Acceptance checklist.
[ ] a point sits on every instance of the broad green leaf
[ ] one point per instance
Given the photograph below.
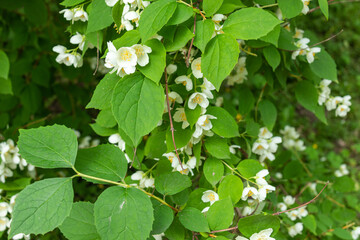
(101, 98)
(154, 17)
(5, 86)
(344, 184)
(246, 100)
(100, 16)
(176, 231)
(324, 7)
(291, 8)
(103, 161)
(132, 98)
(155, 145)
(250, 23)
(192, 115)
(4, 65)
(49, 147)
(254, 224)
(172, 183)
(163, 217)
(324, 66)
(272, 56)
(106, 119)
(224, 125)
(117, 11)
(220, 214)
(181, 38)
(181, 136)
(102, 131)
(70, 3)
(42, 206)
(123, 213)
(249, 167)
(193, 219)
(231, 186)
(157, 61)
(268, 113)
(217, 147)
(127, 40)
(204, 31)
(310, 223)
(16, 185)
(213, 170)
(273, 36)
(286, 40)
(342, 233)
(181, 14)
(211, 6)
(80, 224)
(219, 59)
(195, 199)
(229, 6)
(343, 215)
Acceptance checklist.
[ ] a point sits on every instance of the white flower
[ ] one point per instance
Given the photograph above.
(123, 60)
(210, 196)
(12, 203)
(279, 175)
(265, 133)
(260, 177)
(233, 147)
(180, 116)
(273, 142)
(240, 237)
(78, 39)
(198, 98)
(240, 73)
(346, 100)
(4, 209)
(290, 132)
(264, 190)
(4, 223)
(158, 236)
(342, 110)
(330, 104)
(355, 233)
(111, 3)
(302, 212)
(263, 235)
(217, 18)
(203, 123)
(205, 210)
(196, 68)
(174, 160)
(260, 146)
(206, 88)
(175, 97)
(342, 171)
(310, 54)
(80, 14)
(132, 16)
(219, 101)
(282, 206)
(171, 68)
(249, 192)
(21, 236)
(137, 175)
(293, 214)
(184, 80)
(298, 33)
(142, 52)
(289, 200)
(296, 229)
(116, 139)
(305, 9)
(68, 14)
(302, 46)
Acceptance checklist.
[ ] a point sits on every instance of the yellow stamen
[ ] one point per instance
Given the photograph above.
(126, 56)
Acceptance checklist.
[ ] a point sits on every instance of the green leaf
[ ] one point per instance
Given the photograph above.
(224, 125)
(219, 59)
(246, 100)
(106, 119)
(157, 61)
(16, 185)
(176, 231)
(101, 98)
(181, 38)
(268, 113)
(291, 8)
(344, 184)
(100, 16)
(220, 214)
(181, 136)
(102, 131)
(229, 6)
(123, 213)
(204, 31)
(163, 215)
(192, 115)
(249, 167)
(181, 14)
(254, 224)
(211, 6)
(42, 206)
(213, 170)
(324, 66)
(194, 220)
(324, 7)
(231, 186)
(103, 161)
(4, 65)
(310, 223)
(70, 3)
(132, 98)
(342, 233)
(80, 224)
(155, 145)
(154, 17)
(36, 12)
(127, 40)
(343, 215)
(273, 36)
(49, 147)
(250, 23)
(217, 147)
(5, 86)
(272, 56)
(117, 11)
(172, 183)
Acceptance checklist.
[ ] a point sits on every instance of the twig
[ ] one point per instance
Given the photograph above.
(243, 152)
(270, 5)
(170, 118)
(258, 101)
(331, 2)
(191, 44)
(33, 122)
(132, 163)
(224, 230)
(328, 39)
(97, 55)
(304, 204)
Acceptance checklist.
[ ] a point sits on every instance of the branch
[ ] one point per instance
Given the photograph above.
(191, 44)
(224, 230)
(304, 204)
(170, 118)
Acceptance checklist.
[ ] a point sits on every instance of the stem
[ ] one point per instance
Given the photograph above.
(304, 204)
(303, 164)
(191, 44)
(328, 39)
(258, 101)
(234, 171)
(224, 230)
(246, 51)
(170, 118)
(270, 5)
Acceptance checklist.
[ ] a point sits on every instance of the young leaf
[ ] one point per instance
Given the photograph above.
(250, 23)
(290, 9)
(49, 147)
(204, 31)
(132, 98)
(104, 161)
(106, 119)
(42, 206)
(123, 213)
(272, 56)
(117, 11)
(229, 6)
(163, 215)
(324, 7)
(324, 66)
(220, 214)
(172, 183)
(211, 6)
(155, 145)
(16, 185)
(100, 16)
(254, 224)
(224, 125)
(194, 220)
(80, 224)
(220, 57)
(127, 40)
(154, 17)
(268, 113)
(310, 223)
(181, 38)
(231, 186)
(213, 170)
(217, 147)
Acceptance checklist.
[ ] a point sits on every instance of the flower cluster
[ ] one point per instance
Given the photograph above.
(262, 235)
(239, 73)
(209, 196)
(11, 159)
(291, 140)
(120, 143)
(342, 171)
(217, 19)
(305, 9)
(263, 187)
(341, 104)
(304, 49)
(124, 60)
(145, 182)
(183, 168)
(355, 233)
(266, 145)
(75, 14)
(296, 229)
